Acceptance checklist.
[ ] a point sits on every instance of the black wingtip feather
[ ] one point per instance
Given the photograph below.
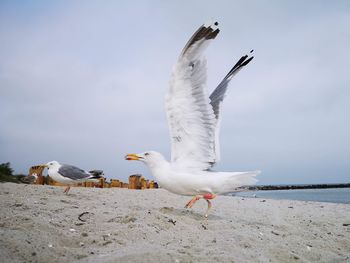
(243, 61)
(247, 61)
(202, 33)
(96, 174)
(239, 62)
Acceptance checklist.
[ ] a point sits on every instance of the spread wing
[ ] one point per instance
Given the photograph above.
(218, 95)
(190, 116)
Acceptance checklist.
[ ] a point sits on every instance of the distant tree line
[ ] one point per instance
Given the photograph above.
(7, 174)
(5, 169)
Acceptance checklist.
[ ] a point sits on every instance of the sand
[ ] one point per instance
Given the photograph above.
(41, 224)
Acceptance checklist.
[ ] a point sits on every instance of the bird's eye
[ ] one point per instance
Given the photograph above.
(146, 154)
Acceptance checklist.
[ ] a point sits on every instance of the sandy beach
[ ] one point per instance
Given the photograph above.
(41, 224)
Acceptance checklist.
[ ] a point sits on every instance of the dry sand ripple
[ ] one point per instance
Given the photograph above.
(41, 224)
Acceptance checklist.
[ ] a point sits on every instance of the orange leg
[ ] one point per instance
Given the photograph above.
(66, 190)
(192, 201)
(207, 197)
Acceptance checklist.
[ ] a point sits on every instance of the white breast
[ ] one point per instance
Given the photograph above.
(53, 173)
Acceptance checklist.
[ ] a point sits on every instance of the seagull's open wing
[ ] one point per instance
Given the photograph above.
(218, 95)
(190, 116)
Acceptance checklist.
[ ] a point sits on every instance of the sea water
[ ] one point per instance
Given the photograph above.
(333, 195)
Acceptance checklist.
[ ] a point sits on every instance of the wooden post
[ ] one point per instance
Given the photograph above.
(135, 181)
(37, 170)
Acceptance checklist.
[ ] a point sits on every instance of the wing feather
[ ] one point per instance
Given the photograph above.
(190, 116)
(73, 172)
(193, 117)
(218, 95)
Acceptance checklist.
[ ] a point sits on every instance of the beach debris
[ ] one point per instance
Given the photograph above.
(290, 207)
(204, 227)
(308, 247)
(261, 234)
(275, 233)
(81, 244)
(50, 245)
(128, 219)
(84, 234)
(82, 214)
(106, 236)
(80, 256)
(72, 230)
(33, 253)
(123, 219)
(106, 243)
(172, 221)
(346, 224)
(262, 201)
(166, 209)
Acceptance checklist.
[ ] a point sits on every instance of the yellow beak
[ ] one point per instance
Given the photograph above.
(132, 157)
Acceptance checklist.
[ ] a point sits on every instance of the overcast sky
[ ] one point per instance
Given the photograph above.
(83, 83)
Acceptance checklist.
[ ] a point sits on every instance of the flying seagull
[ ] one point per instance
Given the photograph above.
(69, 174)
(194, 122)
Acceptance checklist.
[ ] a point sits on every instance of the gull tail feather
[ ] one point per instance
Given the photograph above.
(236, 181)
(96, 175)
(94, 179)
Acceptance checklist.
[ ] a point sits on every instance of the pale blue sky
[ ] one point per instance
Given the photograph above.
(83, 82)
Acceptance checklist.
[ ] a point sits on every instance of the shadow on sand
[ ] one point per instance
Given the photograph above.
(187, 213)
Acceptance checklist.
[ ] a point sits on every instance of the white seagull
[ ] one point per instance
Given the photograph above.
(194, 122)
(69, 174)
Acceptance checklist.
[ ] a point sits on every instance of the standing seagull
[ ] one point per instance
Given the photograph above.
(69, 174)
(194, 120)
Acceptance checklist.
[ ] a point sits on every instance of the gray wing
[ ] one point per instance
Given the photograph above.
(218, 94)
(73, 172)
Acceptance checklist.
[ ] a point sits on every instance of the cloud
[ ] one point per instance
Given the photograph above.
(84, 83)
